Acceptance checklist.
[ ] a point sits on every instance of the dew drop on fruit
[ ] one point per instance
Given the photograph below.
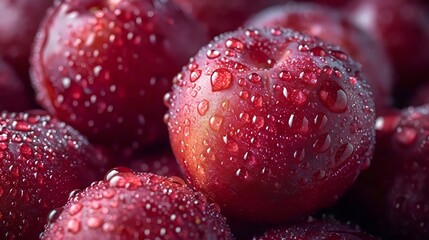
(202, 107)
(123, 177)
(255, 78)
(221, 79)
(333, 97)
(344, 152)
(340, 55)
(177, 180)
(213, 54)
(258, 121)
(285, 76)
(320, 120)
(406, 135)
(94, 222)
(216, 122)
(73, 226)
(75, 209)
(235, 44)
(244, 95)
(322, 143)
(195, 75)
(54, 214)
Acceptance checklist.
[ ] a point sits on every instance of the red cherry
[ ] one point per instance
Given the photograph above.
(270, 123)
(104, 66)
(315, 229)
(19, 24)
(332, 26)
(138, 206)
(41, 161)
(403, 29)
(223, 15)
(393, 194)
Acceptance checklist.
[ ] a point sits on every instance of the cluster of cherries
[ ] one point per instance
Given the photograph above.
(261, 133)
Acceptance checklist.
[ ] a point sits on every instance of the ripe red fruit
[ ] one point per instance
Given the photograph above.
(41, 161)
(316, 229)
(223, 15)
(138, 206)
(104, 66)
(402, 26)
(393, 193)
(332, 26)
(270, 123)
(13, 96)
(19, 24)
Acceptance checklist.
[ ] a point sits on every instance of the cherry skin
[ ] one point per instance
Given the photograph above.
(223, 15)
(332, 26)
(126, 205)
(392, 196)
(20, 21)
(402, 26)
(104, 66)
(315, 229)
(41, 161)
(271, 124)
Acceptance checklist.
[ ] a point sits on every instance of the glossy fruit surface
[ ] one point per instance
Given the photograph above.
(13, 96)
(393, 194)
(20, 21)
(127, 205)
(104, 66)
(224, 15)
(271, 124)
(402, 26)
(332, 26)
(315, 229)
(41, 161)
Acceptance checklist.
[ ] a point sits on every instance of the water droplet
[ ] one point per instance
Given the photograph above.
(318, 51)
(244, 94)
(333, 97)
(195, 75)
(221, 79)
(320, 120)
(353, 80)
(406, 135)
(344, 152)
(54, 214)
(216, 122)
(94, 222)
(322, 143)
(21, 126)
(177, 180)
(276, 31)
(26, 151)
(234, 43)
(203, 107)
(123, 177)
(255, 78)
(213, 54)
(340, 55)
(257, 101)
(258, 121)
(73, 226)
(1, 191)
(285, 76)
(75, 209)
